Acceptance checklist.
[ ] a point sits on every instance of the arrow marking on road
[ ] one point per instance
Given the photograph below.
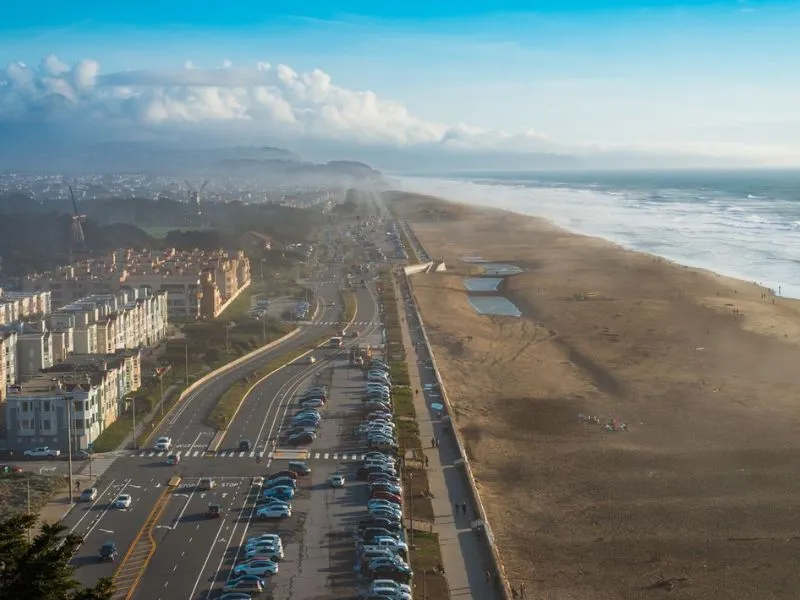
(106, 530)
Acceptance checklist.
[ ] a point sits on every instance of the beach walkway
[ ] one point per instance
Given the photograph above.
(465, 557)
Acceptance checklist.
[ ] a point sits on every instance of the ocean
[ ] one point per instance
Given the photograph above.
(744, 224)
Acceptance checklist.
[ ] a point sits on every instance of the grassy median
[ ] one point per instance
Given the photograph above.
(225, 409)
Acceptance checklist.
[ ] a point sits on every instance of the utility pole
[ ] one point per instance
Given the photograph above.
(161, 387)
(69, 400)
(411, 495)
(28, 482)
(133, 407)
(186, 358)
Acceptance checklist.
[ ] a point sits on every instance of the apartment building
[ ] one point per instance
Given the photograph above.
(178, 273)
(8, 360)
(17, 306)
(72, 401)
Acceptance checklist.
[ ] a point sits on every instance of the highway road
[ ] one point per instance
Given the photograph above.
(170, 549)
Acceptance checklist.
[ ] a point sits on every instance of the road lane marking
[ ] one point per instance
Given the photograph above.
(241, 454)
(196, 452)
(89, 510)
(161, 454)
(194, 443)
(105, 510)
(326, 456)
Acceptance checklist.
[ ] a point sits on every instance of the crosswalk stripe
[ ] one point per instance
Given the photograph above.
(334, 456)
(241, 454)
(161, 454)
(252, 454)
(326, 456)
(178, 453)
(196, 453)
(316, 454)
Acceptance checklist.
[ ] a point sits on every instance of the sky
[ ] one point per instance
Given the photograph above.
(608, 82)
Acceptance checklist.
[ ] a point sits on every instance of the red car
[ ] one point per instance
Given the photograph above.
(381, 495)
(8, 469)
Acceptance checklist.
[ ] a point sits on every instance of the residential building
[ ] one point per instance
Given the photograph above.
(8, 360)
(18, 306)
(34, 349)
(178, 273)
(96, 386)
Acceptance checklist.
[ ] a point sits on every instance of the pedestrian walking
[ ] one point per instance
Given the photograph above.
(426, 461)
(464, 508)
(455, 508)
(488, 576)
(433, 442)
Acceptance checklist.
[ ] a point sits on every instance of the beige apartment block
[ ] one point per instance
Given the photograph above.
(181, 274)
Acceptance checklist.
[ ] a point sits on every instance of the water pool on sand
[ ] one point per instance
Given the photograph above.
(482, 284)
(494, 305)
(498, 269)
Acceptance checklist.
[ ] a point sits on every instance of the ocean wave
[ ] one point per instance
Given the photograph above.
(752, 238)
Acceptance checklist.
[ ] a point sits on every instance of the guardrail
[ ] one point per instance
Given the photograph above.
(496, 559)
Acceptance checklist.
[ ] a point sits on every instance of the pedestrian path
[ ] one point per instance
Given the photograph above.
(465, 557)
(309, 455)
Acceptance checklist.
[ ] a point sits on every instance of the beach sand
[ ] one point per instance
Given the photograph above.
(701, 494)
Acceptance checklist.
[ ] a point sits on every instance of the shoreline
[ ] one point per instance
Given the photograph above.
(463, 188)
(699, 365)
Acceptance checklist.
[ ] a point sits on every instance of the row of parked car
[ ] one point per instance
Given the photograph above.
(379, 427)
(259, 558)
(382, 554)
(305, 422)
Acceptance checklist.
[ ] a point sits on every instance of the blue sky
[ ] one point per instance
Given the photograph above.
(695, 77)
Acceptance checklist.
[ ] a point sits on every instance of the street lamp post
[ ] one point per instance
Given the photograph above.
(161, 389)
(133, 410)
(69, 400)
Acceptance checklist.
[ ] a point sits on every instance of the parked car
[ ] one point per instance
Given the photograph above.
(274, 512)
(42, 452)
(281, 481)
(283, 473)
(336, 480)
(299, 467)
(301, 438)
(246, 585)
(256, 567)
(280, 492)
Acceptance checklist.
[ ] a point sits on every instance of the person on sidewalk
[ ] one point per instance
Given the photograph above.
(455, 508)
(464, 508)
(426, 461)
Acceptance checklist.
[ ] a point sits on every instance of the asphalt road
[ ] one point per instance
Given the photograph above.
(192, 555)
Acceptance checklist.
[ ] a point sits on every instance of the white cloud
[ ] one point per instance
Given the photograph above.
(271, 101)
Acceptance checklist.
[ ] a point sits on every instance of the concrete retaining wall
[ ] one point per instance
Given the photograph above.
(418, 268)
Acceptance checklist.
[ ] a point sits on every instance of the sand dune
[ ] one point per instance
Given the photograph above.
(702, 490)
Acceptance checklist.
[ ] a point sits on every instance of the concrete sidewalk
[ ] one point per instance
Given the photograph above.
(465, 557)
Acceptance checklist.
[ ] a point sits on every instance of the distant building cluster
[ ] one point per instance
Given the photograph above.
(87, 353)
(199, 283)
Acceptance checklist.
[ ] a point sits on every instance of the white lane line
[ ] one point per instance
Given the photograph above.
(205, 562)
(161, 454)
(88, 511)
(194, 443)
(185, 506)
(105, 510)
(196, 453)
(230, 540)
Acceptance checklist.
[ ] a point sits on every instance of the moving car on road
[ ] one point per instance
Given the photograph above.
(244, 445)
(206, 484)
(108, 551)
(163, 443)
(214, 511)
(123, 501)
(336, 480)
(89, 494)
(173, 459)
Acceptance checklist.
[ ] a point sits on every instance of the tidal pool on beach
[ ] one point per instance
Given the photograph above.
(482, 284)
(494, 305)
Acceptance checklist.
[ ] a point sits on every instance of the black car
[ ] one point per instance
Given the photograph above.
(244, 445)
(301, 438)
(379, 523)
(108, 551)
(296, 430)
(370, 533)
(298, 467)
(398, 573)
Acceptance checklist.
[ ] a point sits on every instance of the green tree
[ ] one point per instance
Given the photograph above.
(40, 570)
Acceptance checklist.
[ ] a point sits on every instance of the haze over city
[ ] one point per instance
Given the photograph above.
(455, 85)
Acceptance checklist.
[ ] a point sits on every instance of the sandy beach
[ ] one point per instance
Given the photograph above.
(700, 495)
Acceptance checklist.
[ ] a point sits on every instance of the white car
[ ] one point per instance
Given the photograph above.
(274, 512)
(123, 501)
(258, 481)
(336, 480)
(391, 588)
(256, 567)
(163, 443)
(267, 537)
(313, 403)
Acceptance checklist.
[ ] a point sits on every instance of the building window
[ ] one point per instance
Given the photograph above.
(78, 423)
(26, 406)
(45, 423)
(46, 406)
(77, 406)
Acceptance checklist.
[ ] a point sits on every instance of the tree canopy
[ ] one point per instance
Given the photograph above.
(40, 570)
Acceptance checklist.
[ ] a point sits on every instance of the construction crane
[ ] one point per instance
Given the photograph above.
(194, 195)
(78, 242)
